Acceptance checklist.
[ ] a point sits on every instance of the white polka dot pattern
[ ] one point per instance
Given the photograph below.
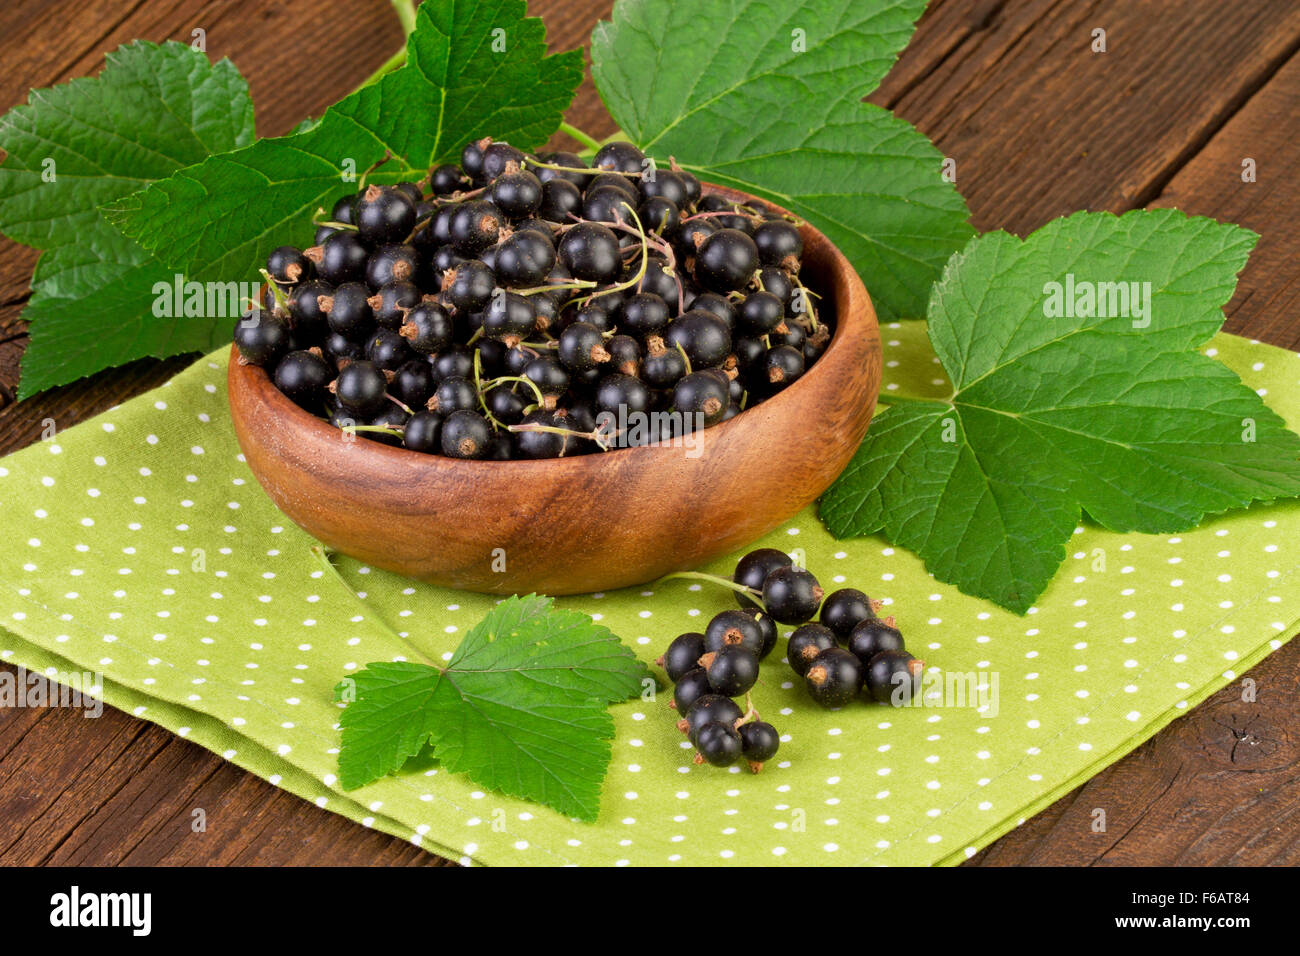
(138, 545)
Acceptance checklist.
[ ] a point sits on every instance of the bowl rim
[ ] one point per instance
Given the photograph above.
(263, 392)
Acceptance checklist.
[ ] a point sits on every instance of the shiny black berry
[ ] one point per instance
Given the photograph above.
(391, 303)
(428, 328)
(752, 570)
(682, 655)
(737, 628)
(759, 743)
(590, 252)
(708, 709)
(872, 637)
(423, 433)
(690, 687)
(391, 263)
(466, 434)
(808, 641)
(701, 394)
(524, 258)
(619, 157)
(791, 595)
(844, 610)
(782, 366)
(447, 179)
(779, 243)
(262, 337)
(304, 378)
(725, 260)
(732, 670)
(718, 744)
(348, 311)
(361, 389)
(288, 265)
(894, 677)
(474, 226)
(341, 258)
(703, 336)
(384, 215)
(834, 677)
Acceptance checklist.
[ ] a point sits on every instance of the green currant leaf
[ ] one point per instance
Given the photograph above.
(521, 707)
(1055, 412)
(474, 68)
(771, 105)
(154, 109)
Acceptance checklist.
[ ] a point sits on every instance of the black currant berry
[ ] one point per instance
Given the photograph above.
(517, 194)
(287, 265)
(759, 743)
(894, 677)
(834, 677)
(581, 347)
(465, 434)
(391, 263)
(388, 350)
(391, 303)
(645, 314)
(474, 226)
(708, 709)
(808, 641)
(779, 244)
(453, 394)
(535, 443)
(732, 670)
(782, 366)
(791, 595)
(736, 628)
(509, 317)
(412, 384)
(666, 184)
(340, 349)
(447, 179)
(844, 610)
(361, 389)
(348, 310)
(506, 405)
(776, 281)
(725, 260)
(468, 285)
(717, 304)
(560, 200)
(607, 204)
(624, 354)
(620, 157)
(428, 328)
(659, 216)
(497, 157)
(690, 687)
(620, 395)
(304, 378)
(590, 252)
(471, 159)
(702, 336)
(423, 433)
(262, 337)
(345, 210)
(701, 394)
(752, 570)
(658, 281)
(384, 215)
(760, 313)
(524, 259)
(340, 258)
(451, 361)
(682, 655)
(718, 745)
(871, 637)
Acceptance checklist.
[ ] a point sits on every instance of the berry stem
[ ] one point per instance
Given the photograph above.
(327, 564)
(713, 579)
(281, 300)
(405, 10)
(586, 139)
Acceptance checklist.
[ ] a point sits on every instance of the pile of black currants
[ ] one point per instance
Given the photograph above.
(848, 651)
(520, 306)
(707, 671)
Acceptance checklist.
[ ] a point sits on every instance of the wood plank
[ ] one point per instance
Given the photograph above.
(1039, 127)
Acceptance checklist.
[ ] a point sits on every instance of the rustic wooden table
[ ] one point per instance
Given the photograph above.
(1039, 125)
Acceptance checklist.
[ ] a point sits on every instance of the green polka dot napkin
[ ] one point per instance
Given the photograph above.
(138, 546)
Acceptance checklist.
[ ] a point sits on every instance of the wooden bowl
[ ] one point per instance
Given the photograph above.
(573, 525)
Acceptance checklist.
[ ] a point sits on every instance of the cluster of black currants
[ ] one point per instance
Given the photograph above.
(520, 306)
(710, 669)
(847, 650)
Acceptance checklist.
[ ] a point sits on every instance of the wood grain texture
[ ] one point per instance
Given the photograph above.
(447, 521)
(1188, 89)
